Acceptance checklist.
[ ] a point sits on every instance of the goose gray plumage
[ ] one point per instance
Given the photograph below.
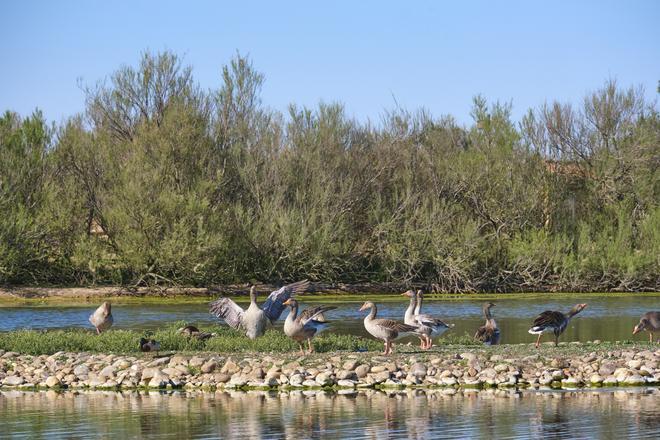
(304, 326)
(193, 332)
(385, 329)
(427, 325)
(650, 321)
(255, 319)
(488, 333)
(102, 318)
(553, 321)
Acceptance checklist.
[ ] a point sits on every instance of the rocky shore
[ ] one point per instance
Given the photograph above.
(569, 367)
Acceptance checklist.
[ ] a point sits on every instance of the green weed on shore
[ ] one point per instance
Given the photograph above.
(37, 342)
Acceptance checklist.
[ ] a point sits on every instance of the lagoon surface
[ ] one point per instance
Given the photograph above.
(413, 414)
(606, 318)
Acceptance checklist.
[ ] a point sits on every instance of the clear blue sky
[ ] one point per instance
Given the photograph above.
(361, 53)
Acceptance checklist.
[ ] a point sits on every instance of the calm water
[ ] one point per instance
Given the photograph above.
(605, 318)
(633, 413)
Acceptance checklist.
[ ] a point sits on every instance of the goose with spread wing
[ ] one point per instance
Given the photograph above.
(255, 320)
(488, 333)
(304, 326)
(553, 321)
(386, 329)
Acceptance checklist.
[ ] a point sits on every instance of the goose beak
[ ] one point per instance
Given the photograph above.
(637, 329)
(364, 307)
(287, 302)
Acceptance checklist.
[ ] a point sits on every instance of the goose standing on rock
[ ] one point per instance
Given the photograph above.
(255, 319)
(193, 332)
(555, 322)
(427, 325)
(650, 321)
(488, 333)
(102, 318)
(304, 326)
(385, 329)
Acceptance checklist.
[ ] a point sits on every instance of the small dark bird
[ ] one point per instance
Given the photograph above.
(149, 345)
(650, 321)
(555, 322)
(488, 333)
(193, 332)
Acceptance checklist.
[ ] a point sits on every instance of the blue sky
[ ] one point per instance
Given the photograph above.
(365, 54)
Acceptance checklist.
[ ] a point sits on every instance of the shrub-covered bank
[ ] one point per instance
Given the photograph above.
(567, 366)
(162, 183)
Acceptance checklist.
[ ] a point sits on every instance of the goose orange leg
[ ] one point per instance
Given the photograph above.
(538, 340)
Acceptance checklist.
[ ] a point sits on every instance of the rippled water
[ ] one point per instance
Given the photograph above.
(632, 413)
(605, 318)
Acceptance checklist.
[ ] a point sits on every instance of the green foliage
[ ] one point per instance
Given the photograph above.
(162, 183)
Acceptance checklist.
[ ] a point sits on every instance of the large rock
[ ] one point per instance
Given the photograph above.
(209, 366)
(150, 372)
(53, 382)
(81, 370)
(13, 381)
(418, 370)
(351, 364)
(362, 370)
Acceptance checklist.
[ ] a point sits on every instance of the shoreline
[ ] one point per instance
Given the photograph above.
(324, 291)
(569, 366)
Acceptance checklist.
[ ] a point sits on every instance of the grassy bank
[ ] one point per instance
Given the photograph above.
(226, 341)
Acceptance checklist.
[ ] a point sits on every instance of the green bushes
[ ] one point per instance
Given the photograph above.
(163, 183)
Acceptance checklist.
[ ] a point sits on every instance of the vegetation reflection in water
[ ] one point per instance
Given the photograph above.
(304, 414)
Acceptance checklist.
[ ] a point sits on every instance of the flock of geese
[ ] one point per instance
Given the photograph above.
(303, 326)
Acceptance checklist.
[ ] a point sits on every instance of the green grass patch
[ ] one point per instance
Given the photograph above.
(127, 341)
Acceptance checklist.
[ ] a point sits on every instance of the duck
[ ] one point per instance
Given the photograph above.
(650, 321)
(488, 333)
(102, 318)
(255, 320)
(193, 332)
(386, 329)
(304, 326)
(553, 321)
(149, 345)
(427, 325)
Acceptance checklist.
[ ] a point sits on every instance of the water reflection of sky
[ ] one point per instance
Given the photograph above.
(604, 318)
(412, 414)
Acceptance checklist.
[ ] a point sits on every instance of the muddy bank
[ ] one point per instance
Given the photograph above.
(571, 366)
(27, 292)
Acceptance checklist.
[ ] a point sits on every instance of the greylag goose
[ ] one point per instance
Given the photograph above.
(304, 326)
(255, 319)
(432, 326)
(488, 333)
(102, 319)
(555, 322)
(409, 318)
(427, 326)
(193, 332)
(385, 329)
(650, 321)
(149, 345)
